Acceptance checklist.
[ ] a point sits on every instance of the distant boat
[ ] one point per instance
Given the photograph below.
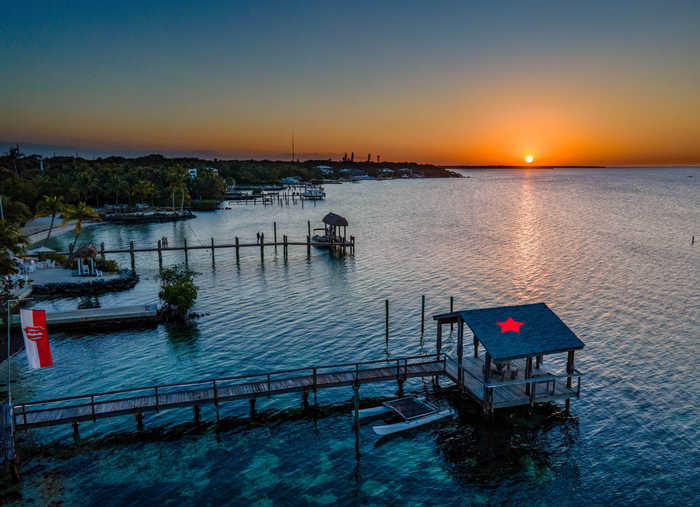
(313, 194)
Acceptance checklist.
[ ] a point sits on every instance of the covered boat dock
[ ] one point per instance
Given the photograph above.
(506, 367)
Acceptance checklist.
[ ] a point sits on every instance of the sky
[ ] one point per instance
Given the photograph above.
(610, 83)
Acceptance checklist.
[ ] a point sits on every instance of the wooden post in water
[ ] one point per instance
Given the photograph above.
(274, 234)
(452, 307)
(213, 262)
(186, 252)
(102, 250)
(356, 400)
(262, 247)
(488, 391)
(160, 256)
(308, 247)
(569, 380)
(438, 348)
(422, 314)
(528, 374)
(238, 257)
(196, 414)
(284, 248)
(460, 351)
(139, 421)
(131, 254)
(386, 319)
(308, 227)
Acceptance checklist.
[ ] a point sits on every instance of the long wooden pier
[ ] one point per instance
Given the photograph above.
(137, 401)
(341, 246)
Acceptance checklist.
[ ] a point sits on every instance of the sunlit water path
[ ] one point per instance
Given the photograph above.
(608, 250)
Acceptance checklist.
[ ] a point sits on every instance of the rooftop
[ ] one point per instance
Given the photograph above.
(510, 332)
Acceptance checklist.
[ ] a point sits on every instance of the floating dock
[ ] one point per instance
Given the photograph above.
(127, 315)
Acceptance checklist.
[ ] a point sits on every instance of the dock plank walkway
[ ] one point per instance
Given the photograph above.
(95, 406)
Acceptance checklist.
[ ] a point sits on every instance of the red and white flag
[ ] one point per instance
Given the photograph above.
(36, 339)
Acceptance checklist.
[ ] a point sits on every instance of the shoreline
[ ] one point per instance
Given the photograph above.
(35, 231)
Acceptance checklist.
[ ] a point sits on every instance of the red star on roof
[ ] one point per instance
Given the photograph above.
(510, 325)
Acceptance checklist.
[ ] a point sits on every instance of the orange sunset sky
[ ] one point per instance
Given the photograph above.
(452, 83)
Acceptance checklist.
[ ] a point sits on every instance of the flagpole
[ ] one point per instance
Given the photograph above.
(9, 363)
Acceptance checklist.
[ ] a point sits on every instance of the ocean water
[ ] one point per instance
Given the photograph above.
(608, 250)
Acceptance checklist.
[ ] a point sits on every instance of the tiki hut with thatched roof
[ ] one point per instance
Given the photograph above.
(331, 229)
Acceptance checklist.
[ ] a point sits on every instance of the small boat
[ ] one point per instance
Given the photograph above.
(313, 194)
(388, 429)
(368, 413)
(415, 412)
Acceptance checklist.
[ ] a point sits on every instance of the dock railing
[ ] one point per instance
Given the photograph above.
(214, 386)
(549, 379)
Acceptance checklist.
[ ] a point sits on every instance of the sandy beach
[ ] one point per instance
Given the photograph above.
(36, 229)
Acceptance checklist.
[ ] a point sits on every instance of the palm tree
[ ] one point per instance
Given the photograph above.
(115, 185)
(50, 205)
(144, 189)
(78, 213)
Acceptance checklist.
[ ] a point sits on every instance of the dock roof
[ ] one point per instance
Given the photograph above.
(511, 332)
(333, 219)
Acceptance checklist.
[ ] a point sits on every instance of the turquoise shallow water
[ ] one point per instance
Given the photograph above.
(608, 250)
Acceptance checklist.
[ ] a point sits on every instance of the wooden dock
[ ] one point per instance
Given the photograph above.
(545, 386)
(134, 314)
(137, 401)
(342, 247)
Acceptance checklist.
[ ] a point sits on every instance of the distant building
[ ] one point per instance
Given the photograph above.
(386, 172)
(406, 172)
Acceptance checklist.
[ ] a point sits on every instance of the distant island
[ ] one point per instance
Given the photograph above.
(525, 166)
(161, 182)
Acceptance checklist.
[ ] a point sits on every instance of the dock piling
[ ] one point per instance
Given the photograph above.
(131, 254)
(386, 322)
(274, 234)
(308, 247)
(252, 407)
(160, 255)
(216, 399)
(452, 306)
(76, 433)
(356, 402)
(284, 247)
(139, 421)
(213, 262)
(422, 314)
(102, 250)
(238, 256)
(262, 247)
(185, 240)
(196, 414)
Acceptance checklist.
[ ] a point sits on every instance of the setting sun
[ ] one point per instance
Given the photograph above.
(529, 159)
